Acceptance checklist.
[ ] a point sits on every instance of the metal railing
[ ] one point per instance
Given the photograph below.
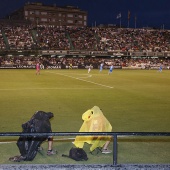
(113, 134)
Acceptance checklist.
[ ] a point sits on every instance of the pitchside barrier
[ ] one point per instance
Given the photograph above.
(113, 134)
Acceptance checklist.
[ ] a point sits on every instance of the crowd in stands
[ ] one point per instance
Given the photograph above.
(2, 43)
(84, 38)
(52, 38)
(134, 39)
(18, 37)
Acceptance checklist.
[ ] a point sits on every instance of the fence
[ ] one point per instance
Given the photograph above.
(113, 134)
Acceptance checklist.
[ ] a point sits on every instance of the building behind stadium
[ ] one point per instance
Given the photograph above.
(40, 14)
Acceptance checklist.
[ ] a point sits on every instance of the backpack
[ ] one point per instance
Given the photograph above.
(77, 154)
(28, 145)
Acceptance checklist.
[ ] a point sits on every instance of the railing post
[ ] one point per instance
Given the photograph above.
(114, 149)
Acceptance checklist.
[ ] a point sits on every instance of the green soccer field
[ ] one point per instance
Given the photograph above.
(132, 100)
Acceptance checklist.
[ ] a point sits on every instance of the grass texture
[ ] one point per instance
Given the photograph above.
(132, 100)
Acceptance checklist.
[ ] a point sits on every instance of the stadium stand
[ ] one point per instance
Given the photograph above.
(85, 38)
(105, 41)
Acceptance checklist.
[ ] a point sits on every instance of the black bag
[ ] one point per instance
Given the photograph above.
(28, 146)
(78, 154)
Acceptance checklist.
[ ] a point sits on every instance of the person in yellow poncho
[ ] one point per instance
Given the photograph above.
(94, 121)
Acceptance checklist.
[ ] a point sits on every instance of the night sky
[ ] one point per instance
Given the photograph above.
(148, 13)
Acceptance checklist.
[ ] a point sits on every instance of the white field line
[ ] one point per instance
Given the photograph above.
(85, 77)
(82, 80)
(50, 89)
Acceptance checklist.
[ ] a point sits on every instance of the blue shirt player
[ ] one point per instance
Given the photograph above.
(110, 69)
(160, 68)
(101, 67)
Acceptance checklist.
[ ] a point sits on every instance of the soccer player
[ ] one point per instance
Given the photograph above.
(110, 69)
(89, 69)
(101, 67)
(38, 68)
(160, 68)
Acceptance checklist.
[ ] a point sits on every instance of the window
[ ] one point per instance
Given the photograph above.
(43, 13)
(31, 12)
(43, 19)
(26, 13)
(69, 21)
(37, 12)
(70, 15)
(32, 19)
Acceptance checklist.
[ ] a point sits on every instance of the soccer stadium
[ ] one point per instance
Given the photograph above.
(66, 87)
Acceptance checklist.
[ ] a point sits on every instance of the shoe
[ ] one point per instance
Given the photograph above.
(105, 151)
(51, 152)
(17, 158)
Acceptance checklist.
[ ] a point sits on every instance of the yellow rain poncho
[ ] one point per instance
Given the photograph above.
(94, 121)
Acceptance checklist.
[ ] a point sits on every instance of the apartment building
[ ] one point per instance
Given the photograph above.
(51, 15)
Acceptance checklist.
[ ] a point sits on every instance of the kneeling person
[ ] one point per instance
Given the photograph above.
(94, 121)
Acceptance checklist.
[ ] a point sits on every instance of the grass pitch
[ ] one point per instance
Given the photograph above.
(132, 100)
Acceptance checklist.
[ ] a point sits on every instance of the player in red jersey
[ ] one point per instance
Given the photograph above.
(38, 68)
